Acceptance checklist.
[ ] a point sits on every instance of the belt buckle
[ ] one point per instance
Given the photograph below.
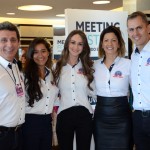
(145, 113)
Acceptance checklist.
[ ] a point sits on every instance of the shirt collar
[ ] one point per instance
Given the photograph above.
(78, 62)
(4, 62)
(145, 48)
(102, 61)
(137, 51)
(47, 72)
(115, 61)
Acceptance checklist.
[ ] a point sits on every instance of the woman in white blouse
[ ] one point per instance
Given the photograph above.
(74, 77)
(112, 118)
(40, 96)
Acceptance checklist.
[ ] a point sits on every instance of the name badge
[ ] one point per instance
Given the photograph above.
(19, 90)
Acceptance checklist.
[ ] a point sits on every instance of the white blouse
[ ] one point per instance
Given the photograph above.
(112, 83)
(50, 93)
(73, 88)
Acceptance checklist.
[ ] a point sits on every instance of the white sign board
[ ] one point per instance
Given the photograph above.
(58, 45)
(92, 22)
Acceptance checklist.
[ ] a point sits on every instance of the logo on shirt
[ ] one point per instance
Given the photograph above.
(148, 62)
(80, 71)
(118, 74)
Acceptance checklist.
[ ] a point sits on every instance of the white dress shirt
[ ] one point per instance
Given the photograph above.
(73, 88)
(114, 83)
(50, 93)
(140, 78)
(12, 107)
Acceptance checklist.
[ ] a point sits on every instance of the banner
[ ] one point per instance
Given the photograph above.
(93, 22)
(58, 45)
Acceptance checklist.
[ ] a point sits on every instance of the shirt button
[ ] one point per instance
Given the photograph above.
(47, 97)
(138, 93)
(46, 105)
(48, 89)
(74, 99)
(140, 102)
(73, 91)
(72, 75)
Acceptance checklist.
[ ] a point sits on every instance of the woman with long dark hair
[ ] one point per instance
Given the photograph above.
(74, 77)
(40, 96)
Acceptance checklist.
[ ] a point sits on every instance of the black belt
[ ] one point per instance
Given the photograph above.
(145, 113)
(3, 128)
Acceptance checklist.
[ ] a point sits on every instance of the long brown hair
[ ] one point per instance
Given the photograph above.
(87, 63)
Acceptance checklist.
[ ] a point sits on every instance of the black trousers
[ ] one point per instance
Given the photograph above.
(11, 139)
(37, 132)
(141, 129)
(76, 120)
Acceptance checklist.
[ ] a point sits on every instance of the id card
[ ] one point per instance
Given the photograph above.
(19, 90)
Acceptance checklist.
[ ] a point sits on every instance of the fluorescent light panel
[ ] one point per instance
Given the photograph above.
(60, 15)
(10, 13)
(101, 2)
(35, 7)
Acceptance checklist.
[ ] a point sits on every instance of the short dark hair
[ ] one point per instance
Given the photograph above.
(11, 27)
(138, 14)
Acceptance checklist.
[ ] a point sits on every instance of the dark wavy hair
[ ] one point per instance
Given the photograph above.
(84, 56)
(112, 29)
(32, 78)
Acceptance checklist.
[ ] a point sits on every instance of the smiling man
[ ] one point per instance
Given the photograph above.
(138, 30)
(12, 97)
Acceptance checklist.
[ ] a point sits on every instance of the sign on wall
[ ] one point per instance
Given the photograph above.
(92, 22)
(58, 45)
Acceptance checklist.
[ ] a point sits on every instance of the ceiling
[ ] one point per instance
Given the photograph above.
(10, 6)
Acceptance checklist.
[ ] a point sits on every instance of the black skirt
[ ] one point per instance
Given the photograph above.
(112, 123)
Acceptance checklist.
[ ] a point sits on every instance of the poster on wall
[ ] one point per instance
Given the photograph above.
(92, 22)
(58, 45)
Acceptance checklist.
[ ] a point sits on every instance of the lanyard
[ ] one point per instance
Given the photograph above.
(12, 78)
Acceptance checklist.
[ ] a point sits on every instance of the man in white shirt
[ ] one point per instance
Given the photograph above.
(138, 30)
(12, 97)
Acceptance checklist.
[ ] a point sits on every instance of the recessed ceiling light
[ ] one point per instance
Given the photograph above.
(60, 15)
(101, 2)
(10, 13)
(35, 7)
